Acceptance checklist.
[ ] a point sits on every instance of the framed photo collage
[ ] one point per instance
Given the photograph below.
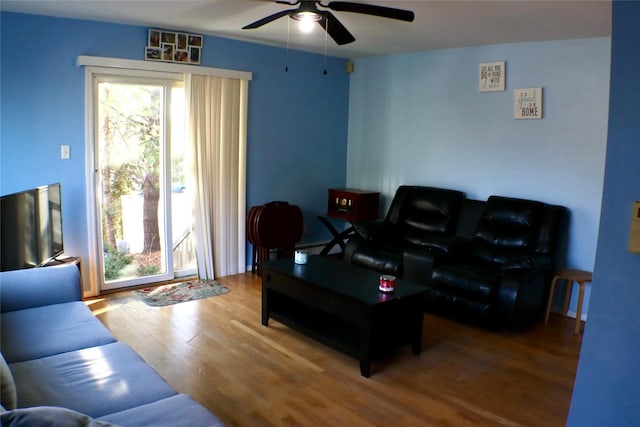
(172, 46)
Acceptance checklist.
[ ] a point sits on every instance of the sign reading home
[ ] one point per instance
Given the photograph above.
(528, 103)
(491, 76)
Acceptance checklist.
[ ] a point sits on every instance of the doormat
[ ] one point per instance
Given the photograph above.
(160, 296)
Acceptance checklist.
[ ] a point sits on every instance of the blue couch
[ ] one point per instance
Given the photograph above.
(57, 354)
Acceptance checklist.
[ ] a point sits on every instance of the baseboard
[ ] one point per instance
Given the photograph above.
(310, 248)
(573, 314)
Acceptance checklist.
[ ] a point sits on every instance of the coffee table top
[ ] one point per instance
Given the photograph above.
(343, 278)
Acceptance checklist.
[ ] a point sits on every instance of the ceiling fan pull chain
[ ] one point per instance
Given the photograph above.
(286, 59)
(325, 46)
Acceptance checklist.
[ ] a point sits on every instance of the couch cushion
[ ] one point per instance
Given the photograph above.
(422, 211)
(44, 331)
(8, 398)
(458, 306)
(49, 416)
(473, 281)
(508, 227)
(95, 381)
(172, 411)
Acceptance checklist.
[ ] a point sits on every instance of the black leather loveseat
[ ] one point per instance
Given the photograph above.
(487, 262)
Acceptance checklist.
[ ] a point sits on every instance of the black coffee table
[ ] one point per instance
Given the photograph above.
(340, 305)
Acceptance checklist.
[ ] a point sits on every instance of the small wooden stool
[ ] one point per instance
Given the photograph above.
(570, 275)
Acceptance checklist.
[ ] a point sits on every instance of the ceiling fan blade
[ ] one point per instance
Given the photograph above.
(385, 12)
(270, 18)
(335, 29)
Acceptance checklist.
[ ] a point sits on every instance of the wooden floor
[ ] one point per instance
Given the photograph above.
(217, 351)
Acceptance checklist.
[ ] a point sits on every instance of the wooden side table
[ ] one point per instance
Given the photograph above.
(347, 205)
(569, 275)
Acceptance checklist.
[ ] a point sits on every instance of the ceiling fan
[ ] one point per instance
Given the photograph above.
(308, 11)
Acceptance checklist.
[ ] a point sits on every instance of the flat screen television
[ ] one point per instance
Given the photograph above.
(31, 227)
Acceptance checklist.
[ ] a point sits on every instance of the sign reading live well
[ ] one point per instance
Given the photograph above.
(491, 77)
(528, 103)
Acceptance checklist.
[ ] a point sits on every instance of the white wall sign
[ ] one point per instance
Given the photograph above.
(527, 103)
(491, 76)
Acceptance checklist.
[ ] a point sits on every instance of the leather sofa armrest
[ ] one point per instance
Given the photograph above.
(364, 232)
(521, 298)
(371, 229)
(418, 261)
(352, 245)
(417, 265)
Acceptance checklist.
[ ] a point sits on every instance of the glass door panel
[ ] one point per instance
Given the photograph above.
(132, 165)
(183, 247)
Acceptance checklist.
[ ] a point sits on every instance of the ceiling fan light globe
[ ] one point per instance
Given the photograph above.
(306, 26)
(306, 20)
(306, 16)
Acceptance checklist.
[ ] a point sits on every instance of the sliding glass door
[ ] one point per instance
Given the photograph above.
(142, 202)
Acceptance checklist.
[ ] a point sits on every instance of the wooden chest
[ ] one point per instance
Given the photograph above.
(352, 205)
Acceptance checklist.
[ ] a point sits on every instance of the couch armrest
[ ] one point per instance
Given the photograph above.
(353, 243)
(521, 298)
(417, 265)
(36, 287)
(370, 229)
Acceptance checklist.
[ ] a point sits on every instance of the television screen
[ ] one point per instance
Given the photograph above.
(31, 227)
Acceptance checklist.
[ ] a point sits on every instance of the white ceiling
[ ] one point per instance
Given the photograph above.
(439, 24)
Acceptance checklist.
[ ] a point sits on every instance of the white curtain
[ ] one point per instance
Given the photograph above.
(217, 111)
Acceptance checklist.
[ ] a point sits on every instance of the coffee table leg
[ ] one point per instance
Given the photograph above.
(365, 350)
(365, 368)
(265, 306)
(365, 345)
(416, 345)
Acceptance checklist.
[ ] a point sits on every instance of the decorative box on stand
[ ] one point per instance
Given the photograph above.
(353, 205)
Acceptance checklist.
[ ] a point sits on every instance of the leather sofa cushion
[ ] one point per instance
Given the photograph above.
(450, 304)
(441, 244)
(418, 211)
(473, 281)
(508, 227)
(424, 216)
(499, 255)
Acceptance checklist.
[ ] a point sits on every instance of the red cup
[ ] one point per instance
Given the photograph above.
(387, 283)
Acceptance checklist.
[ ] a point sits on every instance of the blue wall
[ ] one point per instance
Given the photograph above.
(606, 388)
(419, 118)
(297, 121)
